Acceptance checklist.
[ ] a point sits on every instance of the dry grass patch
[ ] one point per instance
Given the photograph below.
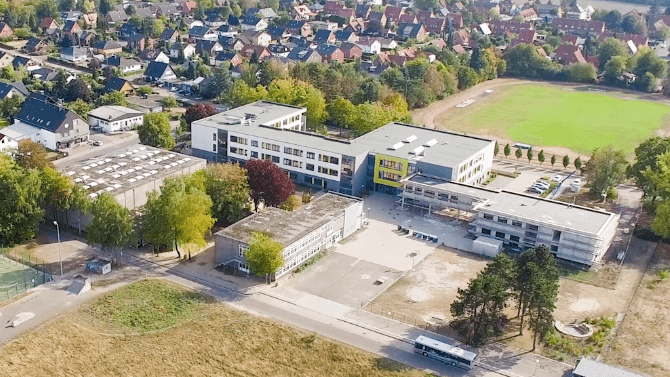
(212, 340)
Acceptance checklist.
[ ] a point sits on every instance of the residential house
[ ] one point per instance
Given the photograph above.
(230, 43)
(113, 119)
(5, 59)
(228, 56)
(211, 48)
(90, 20)
(304, 55)
(188, 49)
(393, 14)
(170, 36)
(49, 23)
(15, 89)
(568, 54)
(72, 28)
(116, 17)
(226, 30)
(258, 38)
(149, 55)
(188, 7)
(377, 20)
(456, 21)
(330, 53)
(126, 65)
(362, 10)
(526, 36)
(254, 23)
(414, 31)
(459, 49)
(461, 37)
(117, 84)
(198, 33)
(578, 27)
(214, 20)
(268, 13)
(261, 52)
(424, 15)
(159, 72)
(369, 45)
(127, 30)
(5, 30)
(278, 34)
(346, 36)
(528, 14)
(577, 12)
(351, 51)
(388, 43)
(137, 42)
(145, 13)
(434, 26)
(301, 12)
(637, 40)
(45, 122)
(7, 144)
(107, 48)
(548, 12)
(324, 36)
(36, 45)
(508, 27)
(408, 18)
(342, 16)
(169, 10)
(301, 28)
(74, 54)
(88, 37)
(279, 50)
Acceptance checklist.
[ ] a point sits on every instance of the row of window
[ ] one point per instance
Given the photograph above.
(238, 140)
(301, 258)
(324, 170)
(431, 194)
(287, 150)
(329, 159)
(286, 121)
(271, 147)
(294, 163)
(293, 151)
(269, 157)
(315, 181)
(395, 165)
(515, 223)
(240, 151)
(388, 176)
(529, 239)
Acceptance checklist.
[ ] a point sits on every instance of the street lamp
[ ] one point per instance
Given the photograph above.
(59, 255)
(537, 361)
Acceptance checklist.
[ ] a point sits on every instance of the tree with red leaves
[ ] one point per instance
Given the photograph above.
(268, 183)
(197, 112)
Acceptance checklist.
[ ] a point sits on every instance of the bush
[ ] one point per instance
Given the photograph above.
(612, 193)
(663, 274)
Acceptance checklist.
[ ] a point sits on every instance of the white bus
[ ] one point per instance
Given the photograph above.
(444, 352)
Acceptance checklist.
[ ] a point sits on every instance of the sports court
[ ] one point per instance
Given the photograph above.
(16, 278)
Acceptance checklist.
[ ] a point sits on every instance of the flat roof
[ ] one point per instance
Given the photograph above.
(532, 208)
(113, 112)
(265, 112)
(422, 144)
(288, 227)
(592, 368)
(124, 169)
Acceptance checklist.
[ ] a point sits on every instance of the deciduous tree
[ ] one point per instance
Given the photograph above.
(155, 131)
(566, 161)
(553, 160)
(20, 202)
(111, 225)
(607, 168)
(540, 156)
(518, 153)
(646, 157)
(530, 154)
(197, 112)
(228, 186)
(268, 183)
(342, 112)
(507, 151)
(32, 155)
(264, 255)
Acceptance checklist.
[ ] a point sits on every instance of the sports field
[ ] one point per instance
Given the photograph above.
(551, 115)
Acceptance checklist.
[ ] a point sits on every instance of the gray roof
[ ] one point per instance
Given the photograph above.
(591, 368)
(288, 227)
(128, 168)
(532, 208)
(114, 113)
(450, 150)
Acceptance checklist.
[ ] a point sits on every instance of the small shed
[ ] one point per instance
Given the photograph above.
(99, 265)
(487, 246)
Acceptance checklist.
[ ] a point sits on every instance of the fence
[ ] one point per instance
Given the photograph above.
(438, 326)
(20, 272)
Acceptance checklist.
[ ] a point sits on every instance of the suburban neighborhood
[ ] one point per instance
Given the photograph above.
(335, 188)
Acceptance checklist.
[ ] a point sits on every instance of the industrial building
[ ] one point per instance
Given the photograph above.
(517, 221)
(128, 174)
(376, 161)
(304, 232)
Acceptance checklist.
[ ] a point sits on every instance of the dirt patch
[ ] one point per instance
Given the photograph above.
(641, 343)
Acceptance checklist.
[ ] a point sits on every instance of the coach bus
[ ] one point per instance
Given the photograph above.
(448, 354)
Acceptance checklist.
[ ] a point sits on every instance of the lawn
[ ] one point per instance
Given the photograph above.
(3, 123)
(197, 337)
(547, 115)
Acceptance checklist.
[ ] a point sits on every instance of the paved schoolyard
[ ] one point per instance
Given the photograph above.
(344, 279)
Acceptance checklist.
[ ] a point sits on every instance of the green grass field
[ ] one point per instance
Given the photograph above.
(544, 115)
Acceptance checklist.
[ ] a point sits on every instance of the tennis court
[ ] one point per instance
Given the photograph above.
(16, 277)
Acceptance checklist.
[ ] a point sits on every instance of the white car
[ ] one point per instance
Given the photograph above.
(96, 143)
(577, 182)
(541, 184)
(557, 178)
(536, 190)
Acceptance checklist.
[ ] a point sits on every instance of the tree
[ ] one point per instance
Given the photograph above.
(524, 61)
(342, 112)
(155, 131)
(631, 24)
(56, 189)
(111, 225)
(648, 62)
(581, 72)
(292, 203)
(615, 67)
(77, 89)
(228, 186)
(540, 156)
(268, 183)
(179, 215)
(299, 93)
(645, 168)
(264, 255)
(607, 168)
(426, 4)
(530, 154)
(507, 151)
(467, 77)
(496, 149)
(113, 99)
(32, 155)
(518, 153)
(221, 82)
(168, 103)
(241, 94)
(10, 106)
(20, 203)
(578, 163)
(610, 48)
(197, 112)
(553, 160)
(661, 223)
(106, 6)
(613, 20)
(566, 161)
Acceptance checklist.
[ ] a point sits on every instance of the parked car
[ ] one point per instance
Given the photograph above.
(557, 178)
(542, 184)
(536, 190)
(577, 181)
(539, 188)
(97, 143)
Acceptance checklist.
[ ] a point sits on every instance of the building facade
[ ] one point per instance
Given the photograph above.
(304, 232)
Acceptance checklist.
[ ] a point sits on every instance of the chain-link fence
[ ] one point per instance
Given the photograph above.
(21, 271)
